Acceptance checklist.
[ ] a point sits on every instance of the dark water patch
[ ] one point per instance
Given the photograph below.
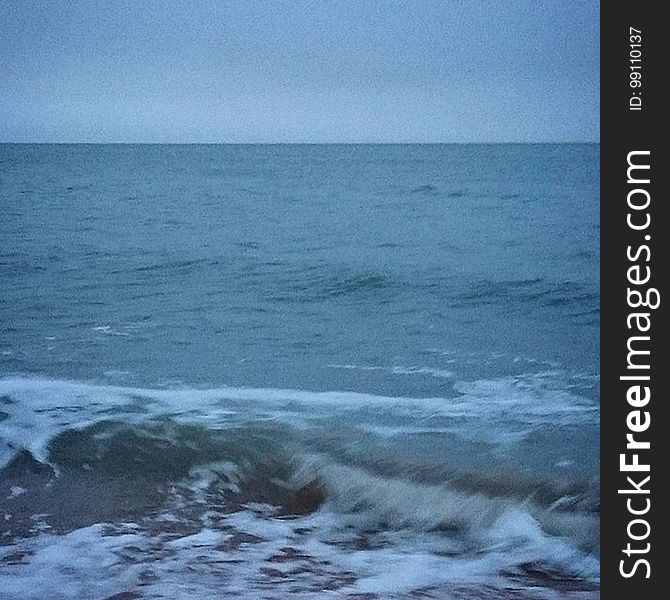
(585, 313)
(148, 295)
(125, 596)
(427, 189)
(523, 283)
(33, 480)
(514, 294)
(166, 453)
(356, 285)
(81, 302)
(110, 472)
(568, 300)
(17, 558)
(78, 188)
(177, 265)
(21, 267)
(237, 540)
(545, 576)
(453, 248)
(273, 263)
(316, 284)
(250, 245)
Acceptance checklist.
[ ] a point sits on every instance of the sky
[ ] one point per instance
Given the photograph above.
(217, 71)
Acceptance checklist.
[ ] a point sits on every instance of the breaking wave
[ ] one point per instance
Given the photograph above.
(280, 492)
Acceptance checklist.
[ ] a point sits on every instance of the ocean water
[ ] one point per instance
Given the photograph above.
(276, 371)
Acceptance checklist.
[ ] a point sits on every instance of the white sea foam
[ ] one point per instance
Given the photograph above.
(377, 532)
(278, 558)
(399, 370)
(499, 411)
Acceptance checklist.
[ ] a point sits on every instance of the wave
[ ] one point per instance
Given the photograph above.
(317, 284)
(265, 463)
(281, 442)
(173, 511)
(494, 411)
(267, 492)
(119, 470)
(427, 189)
(536, 292)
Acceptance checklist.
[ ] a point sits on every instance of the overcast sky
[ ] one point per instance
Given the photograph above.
(297, 71)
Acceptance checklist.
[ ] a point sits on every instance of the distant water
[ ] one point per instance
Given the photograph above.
(362, 372)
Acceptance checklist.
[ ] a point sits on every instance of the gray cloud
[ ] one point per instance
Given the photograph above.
(297, 71)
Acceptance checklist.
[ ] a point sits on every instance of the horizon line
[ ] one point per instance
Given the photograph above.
(349, 143)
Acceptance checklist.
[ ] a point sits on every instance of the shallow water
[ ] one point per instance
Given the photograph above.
(362, 371)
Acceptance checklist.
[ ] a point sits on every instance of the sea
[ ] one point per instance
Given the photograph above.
(358, 372)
